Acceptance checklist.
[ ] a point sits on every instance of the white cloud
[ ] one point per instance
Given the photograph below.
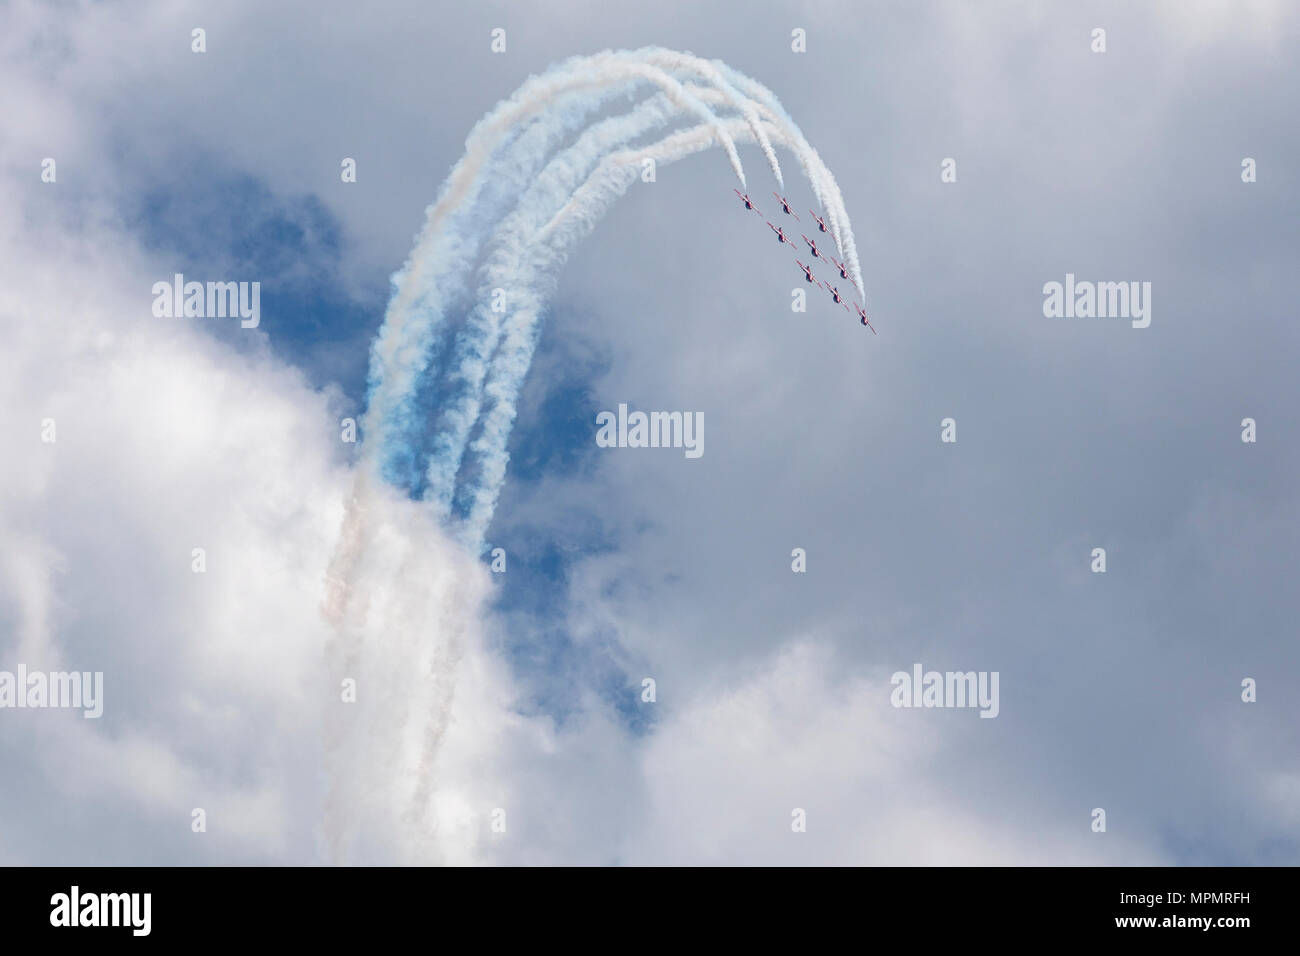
(223, 688)
(879, 785)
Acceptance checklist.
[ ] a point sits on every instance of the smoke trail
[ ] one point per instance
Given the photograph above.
(825, 188)
(480, 338)
(398, 639)
(454, 237)
(598, 78)
(534, 277)
(425, 287)
(477, 339)
(447, 244)
(481, 334)
(718, 77)
(514, 206)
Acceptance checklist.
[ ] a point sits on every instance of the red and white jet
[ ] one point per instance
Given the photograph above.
(862, 314)
(844, 272)
(780, 233)
(749, 203)
(835, 294)
(812, 244)
(808, 276)
(785, 206)
(820, 222)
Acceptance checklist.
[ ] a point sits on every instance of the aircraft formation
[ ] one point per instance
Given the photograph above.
(814, 251)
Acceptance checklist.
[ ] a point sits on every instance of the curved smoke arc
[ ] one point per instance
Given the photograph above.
(538, 173)
(505, 152)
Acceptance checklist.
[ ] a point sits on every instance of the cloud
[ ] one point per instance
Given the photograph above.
(726, 772)
(165, 442)
(224, 688)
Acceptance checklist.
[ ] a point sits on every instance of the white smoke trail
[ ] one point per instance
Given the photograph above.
(824, 185)
(461, 412)
(395, 359)
(446, 247)
(524, 248)
(712, 73)
(511, 366)
(550, 189)
(400, 355)
(533, 280)
(403, 349)
(476, 341)
(401, 626)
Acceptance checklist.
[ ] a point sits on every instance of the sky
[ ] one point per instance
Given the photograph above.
(500, 716)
